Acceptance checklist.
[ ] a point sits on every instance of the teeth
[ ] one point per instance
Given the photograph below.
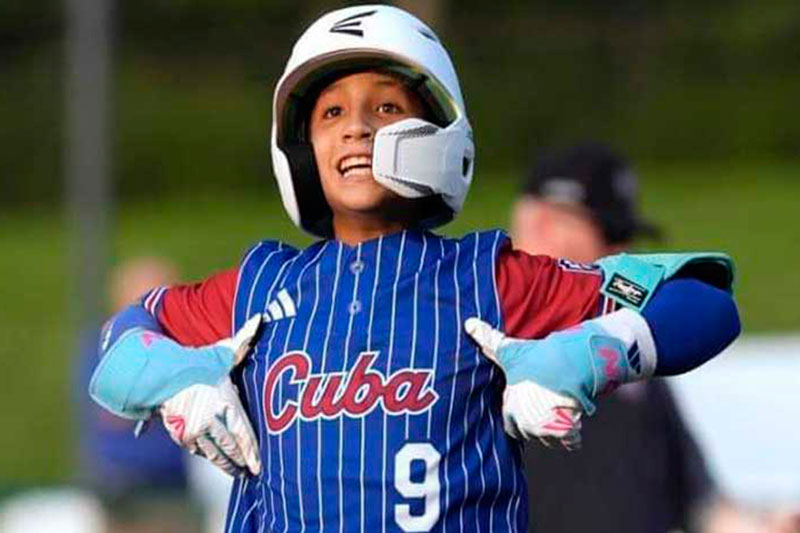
(357, 171)
(355, 165)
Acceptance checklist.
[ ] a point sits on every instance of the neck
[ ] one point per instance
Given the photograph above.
(355, 229)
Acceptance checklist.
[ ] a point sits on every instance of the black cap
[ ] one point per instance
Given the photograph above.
(594, 176)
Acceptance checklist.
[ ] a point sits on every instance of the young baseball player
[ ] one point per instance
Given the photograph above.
(361, 403)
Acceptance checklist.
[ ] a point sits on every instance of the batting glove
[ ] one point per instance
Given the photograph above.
(529, 408)
(550, 382)
(143, 372)
(210, 421)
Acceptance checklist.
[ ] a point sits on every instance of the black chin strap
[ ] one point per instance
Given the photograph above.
(315, 214)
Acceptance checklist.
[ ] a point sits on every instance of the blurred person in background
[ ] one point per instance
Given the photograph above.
(141, 482)
(580, 204)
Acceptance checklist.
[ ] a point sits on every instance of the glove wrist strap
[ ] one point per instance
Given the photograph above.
(632, 330)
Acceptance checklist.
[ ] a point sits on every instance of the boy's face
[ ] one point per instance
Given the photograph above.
(344, 120)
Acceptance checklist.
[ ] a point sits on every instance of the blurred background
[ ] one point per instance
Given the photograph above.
(133, 129)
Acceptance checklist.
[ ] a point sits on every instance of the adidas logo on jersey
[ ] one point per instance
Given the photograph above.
(333, 394)
(280, 307)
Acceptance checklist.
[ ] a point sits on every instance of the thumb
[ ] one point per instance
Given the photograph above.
(241, 342)
(489, 339)
(243, 339)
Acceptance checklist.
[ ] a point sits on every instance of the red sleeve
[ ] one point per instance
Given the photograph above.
(199, 313)
(539, 294)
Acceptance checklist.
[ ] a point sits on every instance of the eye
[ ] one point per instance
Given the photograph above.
(389, 108)
(332, 111)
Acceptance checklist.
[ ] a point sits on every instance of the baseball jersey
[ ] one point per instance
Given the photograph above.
(373, 409)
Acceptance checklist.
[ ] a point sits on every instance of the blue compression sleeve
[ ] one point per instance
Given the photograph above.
(134, 316)
(691, 322)
(140, 367)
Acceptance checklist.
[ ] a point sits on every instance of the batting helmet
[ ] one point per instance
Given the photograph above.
(415, 158)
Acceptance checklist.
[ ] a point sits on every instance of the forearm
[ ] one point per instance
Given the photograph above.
(690, 322)
(685, 323)
(140, 367)
(685, 299)
(142, 370)
(670, 324)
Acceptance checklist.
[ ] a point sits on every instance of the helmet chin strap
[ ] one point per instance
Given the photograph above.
(415, 158)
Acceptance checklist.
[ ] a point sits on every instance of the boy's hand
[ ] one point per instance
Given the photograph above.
(144, 372)
(529, 408)
(210, 421)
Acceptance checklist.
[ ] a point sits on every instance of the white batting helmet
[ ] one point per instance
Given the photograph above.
(414, 158)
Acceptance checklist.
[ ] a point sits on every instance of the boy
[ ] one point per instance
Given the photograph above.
(372, 409)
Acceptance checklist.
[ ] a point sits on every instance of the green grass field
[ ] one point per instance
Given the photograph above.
(750, 210)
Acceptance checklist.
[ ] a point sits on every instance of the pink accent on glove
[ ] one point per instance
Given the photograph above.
(149, 337)
(177, 426)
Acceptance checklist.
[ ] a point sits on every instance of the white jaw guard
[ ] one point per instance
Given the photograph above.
(415, 158)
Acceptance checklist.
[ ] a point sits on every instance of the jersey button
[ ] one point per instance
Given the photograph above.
(357, 266)
(355, 307)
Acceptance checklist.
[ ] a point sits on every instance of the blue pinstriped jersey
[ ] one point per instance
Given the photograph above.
(374, 411)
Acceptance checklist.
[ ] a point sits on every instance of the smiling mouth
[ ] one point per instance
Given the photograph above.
(355, 166)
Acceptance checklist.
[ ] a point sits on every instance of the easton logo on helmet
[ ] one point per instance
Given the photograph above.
(352, 24)
(330, 395)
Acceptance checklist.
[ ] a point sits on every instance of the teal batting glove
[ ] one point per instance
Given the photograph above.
(144, 372)
(530, 410)
(551, 382)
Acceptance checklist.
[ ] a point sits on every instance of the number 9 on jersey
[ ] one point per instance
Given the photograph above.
(427, 489)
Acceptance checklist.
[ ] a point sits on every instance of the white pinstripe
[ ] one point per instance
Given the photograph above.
(236, 505)
(491, 379)
(248, 310)
(515, 492)
(369, 347)
(148, 299)
(298, 286)
(258, 275)
(344, 385)
(436, 328)
(248, 514)
(238, 281)
(268, 297)
(472, 390)
(453, 385)
(518, 497)
(152, 300)
(335, 291)
(414, 317)
(455, 379)
(316, 302)
(388, 372)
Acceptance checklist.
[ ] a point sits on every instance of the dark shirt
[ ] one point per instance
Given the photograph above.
(639, 470)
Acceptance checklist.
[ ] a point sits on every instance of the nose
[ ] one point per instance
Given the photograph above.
(358, 127)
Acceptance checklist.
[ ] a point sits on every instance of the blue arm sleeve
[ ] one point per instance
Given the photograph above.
(134, 316)
(140, 367)
(691, 322)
